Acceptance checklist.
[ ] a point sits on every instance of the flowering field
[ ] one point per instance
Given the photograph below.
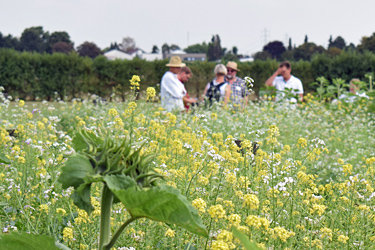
(310, 183)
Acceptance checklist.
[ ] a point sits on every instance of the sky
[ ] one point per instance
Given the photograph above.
(246, 24)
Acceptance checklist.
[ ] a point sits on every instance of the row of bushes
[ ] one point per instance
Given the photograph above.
(31, 75)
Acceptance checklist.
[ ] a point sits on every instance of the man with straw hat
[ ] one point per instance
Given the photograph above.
(236, 90)
(171, 89)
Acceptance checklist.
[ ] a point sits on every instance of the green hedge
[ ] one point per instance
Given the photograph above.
(31, 75)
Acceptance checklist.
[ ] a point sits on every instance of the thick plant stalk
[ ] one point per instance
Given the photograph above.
(105, 217)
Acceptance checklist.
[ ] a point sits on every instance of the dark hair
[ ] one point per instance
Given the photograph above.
(286, 64)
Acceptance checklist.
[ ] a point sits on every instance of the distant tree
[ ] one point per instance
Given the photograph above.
(127, 45)
(288, 55)
(165, 50)
(34, 39)
(262, 55)
(351, 46)
(88, 49)
(330, 41)
(230, 57)
(306, 50)
(197, 48)
(155, 49)
(234, 50)
(339, 42)
(367, 43)
(275, 49)
(62, 47)
(214, 49)
(174, 47)
(113, 46)
(9, 42)
(290, 44)
(306, 39)
(58, 36)
(334, 51)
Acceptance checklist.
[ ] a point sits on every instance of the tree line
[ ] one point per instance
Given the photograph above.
(33, 76)
(35, 39)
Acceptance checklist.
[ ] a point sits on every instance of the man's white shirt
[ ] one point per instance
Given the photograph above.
(171, 92)
(293, 83)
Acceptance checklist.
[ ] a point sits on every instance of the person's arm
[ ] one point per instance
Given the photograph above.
(205, 90)
(227, 94)
(188, 99)
(270, 80)
(173, 86)
(301, 97)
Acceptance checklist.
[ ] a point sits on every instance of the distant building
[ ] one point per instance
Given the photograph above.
(117, 54)
(188, 57)
(246, 59)
(152, 56)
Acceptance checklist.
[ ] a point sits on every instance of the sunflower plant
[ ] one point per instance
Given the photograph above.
(127, 177)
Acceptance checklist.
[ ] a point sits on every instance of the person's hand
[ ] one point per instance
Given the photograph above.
(278, 71)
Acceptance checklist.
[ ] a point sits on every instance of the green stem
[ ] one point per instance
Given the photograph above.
(105, 217)
(118, 233)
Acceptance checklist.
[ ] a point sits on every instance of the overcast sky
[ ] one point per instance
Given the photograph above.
(246, 24)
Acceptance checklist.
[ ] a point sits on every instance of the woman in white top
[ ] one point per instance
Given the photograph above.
(220, 72)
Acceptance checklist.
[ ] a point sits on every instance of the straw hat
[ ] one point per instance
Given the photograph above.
(175, 61)
(232, 65)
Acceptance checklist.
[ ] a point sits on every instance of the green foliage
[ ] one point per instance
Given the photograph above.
(34, 76)
(22, 241)
(161, 203)
(246, 243)
(197, 48)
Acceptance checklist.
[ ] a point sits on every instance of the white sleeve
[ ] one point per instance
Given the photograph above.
(172, 86)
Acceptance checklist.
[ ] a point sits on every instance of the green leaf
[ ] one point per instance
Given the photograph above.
(246, 243)
(81, 197)
(74, 171)
(22, 241)
(4, 159)
(117, 182)
(79, 143)
(162, 203)
(61, 246)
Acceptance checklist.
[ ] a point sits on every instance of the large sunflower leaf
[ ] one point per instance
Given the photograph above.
(76, 168)
(161, 203)
(81, 197)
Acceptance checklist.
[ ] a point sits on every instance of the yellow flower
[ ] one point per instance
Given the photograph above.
(21, 103)
(134, 82)
(217, 212)
(282, 233)
(44, 208)
(342, 238)
(113, 112)
(234, 219)
(320, 209)
(219, 245)
(302, 142)
(67, 233)
(170, 233)
(199, 204)
(150, 92)
(251, 200)
(61, 211)
(21, 159)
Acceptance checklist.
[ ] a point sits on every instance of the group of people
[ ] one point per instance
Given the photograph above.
(226, 87)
